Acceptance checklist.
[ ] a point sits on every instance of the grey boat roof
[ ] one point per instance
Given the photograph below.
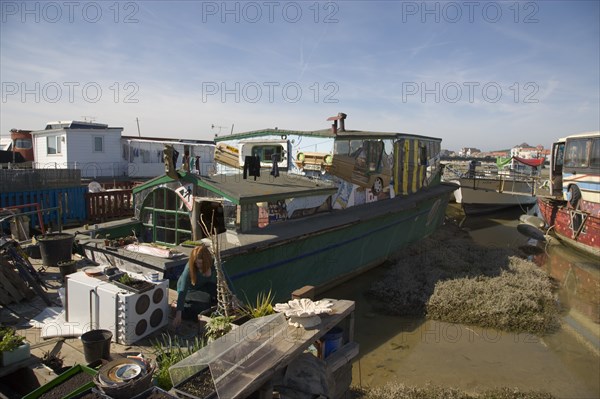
(267, 187)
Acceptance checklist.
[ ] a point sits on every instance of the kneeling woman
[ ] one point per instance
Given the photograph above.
(195, 288)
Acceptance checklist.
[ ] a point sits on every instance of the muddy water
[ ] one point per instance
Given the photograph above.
(418, 352)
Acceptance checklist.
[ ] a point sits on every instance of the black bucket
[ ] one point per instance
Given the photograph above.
(55, 247)
(96, 345)
(67, 267)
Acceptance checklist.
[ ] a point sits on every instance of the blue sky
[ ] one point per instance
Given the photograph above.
(479, 74)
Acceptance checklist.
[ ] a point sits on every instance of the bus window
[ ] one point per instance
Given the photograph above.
(576, 153)
(595, 154)
(559, 155)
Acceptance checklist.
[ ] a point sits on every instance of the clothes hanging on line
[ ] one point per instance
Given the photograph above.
(275, 169)
(252, 166)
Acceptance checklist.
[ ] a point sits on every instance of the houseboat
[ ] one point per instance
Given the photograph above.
(503, 185)
(572, 211)
(281, 227)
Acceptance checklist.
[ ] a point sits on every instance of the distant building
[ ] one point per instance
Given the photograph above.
(527, 152)
(468, 152)
(100, 151)
(499, 154)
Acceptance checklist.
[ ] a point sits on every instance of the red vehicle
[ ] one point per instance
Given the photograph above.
(22, 143)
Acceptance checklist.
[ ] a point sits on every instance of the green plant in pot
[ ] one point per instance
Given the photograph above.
(169, 351)
(262, 307)
(13, 347)
(218, 326)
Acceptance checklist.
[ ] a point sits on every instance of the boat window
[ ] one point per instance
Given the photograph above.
(374, 150)
(164, 218)
(423, 154)
(341, 147)
(595, 154)
(265, 152)
(355, 147)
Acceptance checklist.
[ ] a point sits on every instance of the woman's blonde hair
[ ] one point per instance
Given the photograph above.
(203, 252)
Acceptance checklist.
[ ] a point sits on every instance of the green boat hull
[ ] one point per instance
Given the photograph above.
(328, 257)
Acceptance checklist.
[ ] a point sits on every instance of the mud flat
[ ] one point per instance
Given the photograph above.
(400, 345)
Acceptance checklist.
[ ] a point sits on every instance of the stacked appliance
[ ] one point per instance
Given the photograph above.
(96, 303)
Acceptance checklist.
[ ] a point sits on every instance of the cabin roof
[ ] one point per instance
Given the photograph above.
(249, 191)
(321, 133)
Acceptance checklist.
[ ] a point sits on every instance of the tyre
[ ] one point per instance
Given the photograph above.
(574, 196)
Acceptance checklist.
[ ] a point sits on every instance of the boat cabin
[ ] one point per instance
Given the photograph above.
(250, 190)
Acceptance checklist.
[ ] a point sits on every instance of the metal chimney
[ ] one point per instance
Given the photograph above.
(334, 127)
(342, 118)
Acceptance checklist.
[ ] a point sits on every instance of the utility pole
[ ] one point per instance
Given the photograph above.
(138, 125)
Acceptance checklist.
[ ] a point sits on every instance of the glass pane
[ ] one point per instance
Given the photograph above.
(183, 222)
(23, 143)
(159, 199)
(341, 147)
(183, 236)
(576, 155)
(595, 156)
(51, 144)
(98, 147)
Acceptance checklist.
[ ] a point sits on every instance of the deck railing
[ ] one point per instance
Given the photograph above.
(109, 205)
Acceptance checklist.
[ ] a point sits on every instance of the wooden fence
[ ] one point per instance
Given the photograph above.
(109, 205)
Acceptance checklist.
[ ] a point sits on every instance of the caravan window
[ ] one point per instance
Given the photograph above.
(53, 145)
(98, 144)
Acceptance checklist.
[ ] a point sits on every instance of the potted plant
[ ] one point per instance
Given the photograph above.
(133, 284)
(218, 326)
(262, 307)
(168, 352)
(13, 347)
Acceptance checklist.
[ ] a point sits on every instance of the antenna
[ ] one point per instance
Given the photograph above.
(213, 126)
(86, 117)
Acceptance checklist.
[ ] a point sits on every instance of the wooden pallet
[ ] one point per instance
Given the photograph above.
(12, 287)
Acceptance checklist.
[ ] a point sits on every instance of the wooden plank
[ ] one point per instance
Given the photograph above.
(5, 298)
(342, 356)
(296, 341)
(13, 277)
(8, 287)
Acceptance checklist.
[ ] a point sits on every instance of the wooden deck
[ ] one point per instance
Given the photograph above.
(19, 314)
